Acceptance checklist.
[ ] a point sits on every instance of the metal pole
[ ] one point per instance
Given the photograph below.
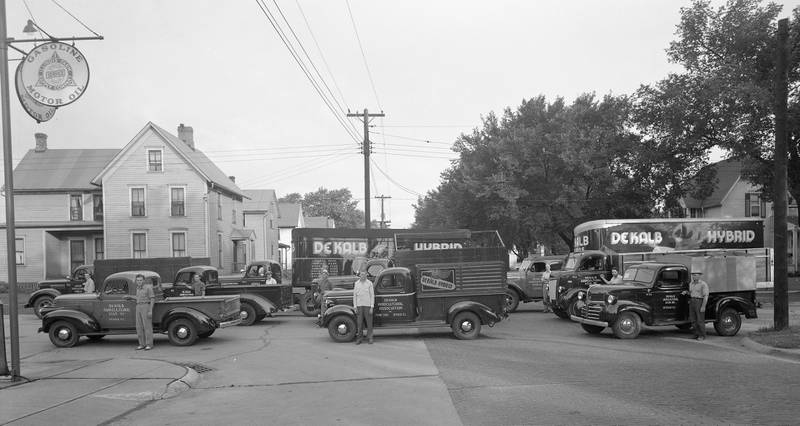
(3, 361)
(781, 286)
(9, 175)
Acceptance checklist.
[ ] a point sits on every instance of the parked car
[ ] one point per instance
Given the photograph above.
(48, 290)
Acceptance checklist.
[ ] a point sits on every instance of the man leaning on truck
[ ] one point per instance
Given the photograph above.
(698, 291)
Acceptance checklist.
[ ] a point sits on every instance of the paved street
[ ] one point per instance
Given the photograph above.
(533, 369)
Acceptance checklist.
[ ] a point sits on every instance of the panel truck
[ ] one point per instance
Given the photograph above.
(461, 288)
(258, 300)
(602, 245)
(656, 293)
(112, 311)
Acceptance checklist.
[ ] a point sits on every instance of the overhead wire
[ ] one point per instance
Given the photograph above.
(287, 43)
(74, 17)
(399, 185)
(363, 55)
(411, 139)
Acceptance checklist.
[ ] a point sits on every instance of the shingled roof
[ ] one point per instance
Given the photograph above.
(728, 173)
(60, 169)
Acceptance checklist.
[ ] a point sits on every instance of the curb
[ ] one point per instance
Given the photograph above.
(769, 350)
(178, 386)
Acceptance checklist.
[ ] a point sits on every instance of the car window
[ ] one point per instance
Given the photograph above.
(639, 275)
(116, 287)
(183, 277)
(538, 266)
(389, 284)
(670, 278)
(211, 277)
(555, 266)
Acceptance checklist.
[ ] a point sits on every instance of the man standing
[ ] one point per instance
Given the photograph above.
(198, 286)
(698, 292)
(268, 280)
(88, 284)
(324, 284)
(144, 313)
(363, 300)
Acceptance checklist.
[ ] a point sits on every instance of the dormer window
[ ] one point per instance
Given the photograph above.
(155, 161)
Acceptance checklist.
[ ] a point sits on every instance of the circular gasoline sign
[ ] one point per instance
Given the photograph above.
(36, 110)
(54, 74)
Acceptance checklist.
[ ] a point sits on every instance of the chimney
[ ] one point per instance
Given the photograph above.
(41, 142)
(232, 178)
(186, 134)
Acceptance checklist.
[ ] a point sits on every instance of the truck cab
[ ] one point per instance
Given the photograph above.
(581, 270)
(525, 284)
(460, 295)
(48, 290)
(657, 294)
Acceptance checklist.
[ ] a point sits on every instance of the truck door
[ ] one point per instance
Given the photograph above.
(667, 302)
(590, 269)
(114, 308)
(395, 300)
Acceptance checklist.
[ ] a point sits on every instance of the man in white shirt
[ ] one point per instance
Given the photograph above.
(364, 301)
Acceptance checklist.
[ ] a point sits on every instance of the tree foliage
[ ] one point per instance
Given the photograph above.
(337, 204)
(725, 97)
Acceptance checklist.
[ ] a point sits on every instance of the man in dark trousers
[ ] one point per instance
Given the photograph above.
(698, 292)
(364, 301)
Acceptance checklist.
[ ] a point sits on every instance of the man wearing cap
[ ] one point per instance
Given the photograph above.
(698, 293)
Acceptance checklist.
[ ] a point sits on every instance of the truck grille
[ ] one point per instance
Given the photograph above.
(596, 297)
(592, 311)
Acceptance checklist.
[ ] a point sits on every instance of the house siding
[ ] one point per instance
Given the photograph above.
(131, 171)
(32, 270)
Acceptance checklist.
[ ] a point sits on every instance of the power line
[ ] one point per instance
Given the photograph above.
(410, 191)
(411, 139)
(363, 55)
(73, 17)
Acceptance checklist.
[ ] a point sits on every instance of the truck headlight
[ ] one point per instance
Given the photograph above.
(329, 303)
(581, 295)
(611, 299)
(560, 289)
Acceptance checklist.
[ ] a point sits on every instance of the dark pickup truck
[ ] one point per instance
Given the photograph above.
(48, 290)
(434, 288)
(112, 311)
(656, 294)
(258, 300)
(311, 299)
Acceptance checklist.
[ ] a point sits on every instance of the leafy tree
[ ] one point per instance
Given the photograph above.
(337, 204)
(725, 97)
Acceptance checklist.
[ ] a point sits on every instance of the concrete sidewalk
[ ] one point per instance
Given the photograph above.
(82, 392)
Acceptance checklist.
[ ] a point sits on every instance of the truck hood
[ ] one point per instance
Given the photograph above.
(50, 283)
(598, 292)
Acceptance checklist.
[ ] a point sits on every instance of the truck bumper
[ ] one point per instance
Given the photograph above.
(583, 320)
(230, 323)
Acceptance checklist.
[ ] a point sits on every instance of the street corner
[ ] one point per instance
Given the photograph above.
(787, 354)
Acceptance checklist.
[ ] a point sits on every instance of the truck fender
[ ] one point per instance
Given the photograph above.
(564, 299)
(262, 305)
(739, 303)
(643, 311)
(43, 292)
(337, 310)
(514, 285)
(486, 314)
(83, 322)
(203, 322)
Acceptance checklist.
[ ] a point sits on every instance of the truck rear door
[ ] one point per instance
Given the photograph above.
(395, 300)
(668, 304)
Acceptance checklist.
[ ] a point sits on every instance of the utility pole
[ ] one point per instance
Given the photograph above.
(366, 151)
(383, 217)
(781, 286)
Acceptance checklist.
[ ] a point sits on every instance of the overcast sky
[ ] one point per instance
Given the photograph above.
(435, 68)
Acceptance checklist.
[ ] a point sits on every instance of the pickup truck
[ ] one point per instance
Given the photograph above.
(48, 290)
(455, 293)
(310, 300)
(656, 294)
(249, 275)
(257, 300)
(112, 311)
(525, 284)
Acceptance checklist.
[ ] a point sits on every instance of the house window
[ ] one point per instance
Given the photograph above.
(77, 254)
(178, 244)
(139, 245)
(97, 207)
(137, 202)
(219, 250)
(75, 207)
(154, 161)
(177, 198)
(233, 216)
(754, 206)
(20, 250)
(219, 206)
(99, 249)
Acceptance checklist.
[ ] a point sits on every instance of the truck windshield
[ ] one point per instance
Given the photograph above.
(572, 262)
(638, 276)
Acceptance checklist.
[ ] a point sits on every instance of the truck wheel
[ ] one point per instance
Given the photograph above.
(42, 302)
(207, 334)
(728, 323)
(512, 300)
(248, 314)
(308, 304)
(560, 313)
(573, 309)
(63, 334)
(182, 332)
(627, 326)
(466, 326)
(592, 329)
(342, 329)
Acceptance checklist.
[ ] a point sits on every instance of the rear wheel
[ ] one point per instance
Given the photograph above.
(512, 300)
(42, 302)
(466, 326)
(308, 304)
(182, 332)
(728, 323)
(248, 314)
(342, 329)
(63, 334)
(592, 329)
(627, 326)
